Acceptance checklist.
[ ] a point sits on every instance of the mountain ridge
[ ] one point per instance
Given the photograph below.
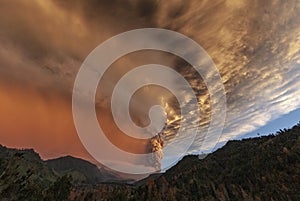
(85, 171)
(262, 168)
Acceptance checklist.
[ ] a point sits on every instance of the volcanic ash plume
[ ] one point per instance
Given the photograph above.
(157, 144)
(254, 44)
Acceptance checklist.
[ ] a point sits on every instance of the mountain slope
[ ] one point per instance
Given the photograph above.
(23, 175)
(264, 168)
(82, 171)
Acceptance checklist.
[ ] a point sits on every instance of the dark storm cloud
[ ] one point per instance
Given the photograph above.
(43, 44)
(56, 36)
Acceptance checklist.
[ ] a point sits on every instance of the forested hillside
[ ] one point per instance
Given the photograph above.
(262, 168)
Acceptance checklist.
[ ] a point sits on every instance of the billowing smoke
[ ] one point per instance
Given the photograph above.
(254, 44)
(157, 144)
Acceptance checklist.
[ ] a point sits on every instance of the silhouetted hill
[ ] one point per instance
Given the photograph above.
(23, 175)
(82, 171)
(263, 168)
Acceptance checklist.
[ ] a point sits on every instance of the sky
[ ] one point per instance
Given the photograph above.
(255, 46)
(285, 121)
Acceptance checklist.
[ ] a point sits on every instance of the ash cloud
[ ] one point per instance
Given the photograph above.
(254, 44)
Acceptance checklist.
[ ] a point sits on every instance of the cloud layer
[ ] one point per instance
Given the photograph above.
(254, 44)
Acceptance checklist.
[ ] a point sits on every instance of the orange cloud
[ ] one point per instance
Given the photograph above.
(42, 121)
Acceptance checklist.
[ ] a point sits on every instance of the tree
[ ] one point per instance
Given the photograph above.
(61, 188)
